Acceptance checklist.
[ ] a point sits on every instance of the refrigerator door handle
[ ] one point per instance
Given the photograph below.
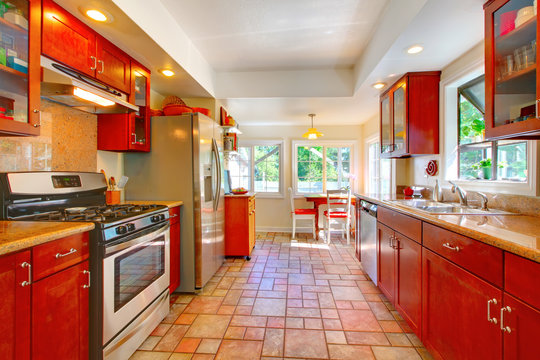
(215, 150)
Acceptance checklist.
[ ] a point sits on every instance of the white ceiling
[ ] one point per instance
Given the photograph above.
(275, 61)
(242, 35)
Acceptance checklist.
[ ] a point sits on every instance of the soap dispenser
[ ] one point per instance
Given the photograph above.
(437, 192)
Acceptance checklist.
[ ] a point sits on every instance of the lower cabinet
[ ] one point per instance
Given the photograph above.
(460, 312)
(174, 219)
(44, 311)
(239, 225)
(520, 325)
(400, 273)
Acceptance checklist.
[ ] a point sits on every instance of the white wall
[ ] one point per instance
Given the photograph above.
(274, 214)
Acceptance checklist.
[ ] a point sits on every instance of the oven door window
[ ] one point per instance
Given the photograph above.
(135, 270)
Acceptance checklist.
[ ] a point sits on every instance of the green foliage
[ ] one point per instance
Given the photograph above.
(471, 121)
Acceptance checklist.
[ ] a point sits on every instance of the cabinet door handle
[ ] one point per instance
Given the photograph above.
(536, 108)
(87, 285)
(134, 142)
(95, 63)
(453, 248)
(71, 251)
(29, 266)
(102, 66)
(37, 111)
(489, 318)
(173, 215)
(505, 328)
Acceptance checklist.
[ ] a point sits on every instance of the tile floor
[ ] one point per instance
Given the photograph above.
(295, 299)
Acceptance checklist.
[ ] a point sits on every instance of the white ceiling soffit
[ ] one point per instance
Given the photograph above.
(129, 37)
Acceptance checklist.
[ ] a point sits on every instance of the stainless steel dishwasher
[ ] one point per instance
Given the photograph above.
(368, 239)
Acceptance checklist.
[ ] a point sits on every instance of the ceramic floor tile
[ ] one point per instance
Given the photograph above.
(188, 345)
(305, 344)
(366, 338)
(209, 326)
(204, 305)
(269, 307)
(335, 337)
(346, 293)
(350, 352)
(393, 353)
(209, 346)
(239, 350)
(273, 342)
(359, 320)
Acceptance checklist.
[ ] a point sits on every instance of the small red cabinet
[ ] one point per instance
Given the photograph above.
(239, 225)
(129, 132)
(386, 270)
(67, 40)
(522, 326)
(455, 312)
(174, 219)
(15, 305)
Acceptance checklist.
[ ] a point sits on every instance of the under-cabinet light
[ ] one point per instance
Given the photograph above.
(86, 95)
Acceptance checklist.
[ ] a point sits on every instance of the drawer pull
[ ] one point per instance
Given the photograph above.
(87, 285)
(505, 328)
(29, 266)
(453, 248)
(71, 251)
(95, 63)
(173, 215)
(490, 319)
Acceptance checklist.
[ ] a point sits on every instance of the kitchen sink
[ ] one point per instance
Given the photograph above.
(441, 208)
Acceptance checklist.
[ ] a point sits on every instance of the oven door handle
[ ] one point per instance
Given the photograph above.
(140, 240)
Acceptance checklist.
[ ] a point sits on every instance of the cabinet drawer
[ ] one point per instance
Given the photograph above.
(59, 254)
(481, 259)
(406, 225)
(521, 278)
(174, 215)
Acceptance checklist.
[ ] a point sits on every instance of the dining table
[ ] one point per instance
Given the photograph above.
(321, 199)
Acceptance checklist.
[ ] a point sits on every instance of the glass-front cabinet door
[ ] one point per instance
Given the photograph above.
(20, 67)
(399, 112)
(386, 125)
(140, 121)
(511, 70)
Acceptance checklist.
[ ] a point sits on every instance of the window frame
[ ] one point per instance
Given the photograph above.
(251, 144)
(352, 144)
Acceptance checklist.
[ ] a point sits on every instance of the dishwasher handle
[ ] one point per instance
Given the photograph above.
(369, 208)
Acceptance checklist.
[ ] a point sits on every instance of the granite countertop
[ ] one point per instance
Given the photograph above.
(169, 203)
(517, 234)
(20, 235)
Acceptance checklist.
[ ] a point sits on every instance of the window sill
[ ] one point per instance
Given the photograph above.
(498, 186)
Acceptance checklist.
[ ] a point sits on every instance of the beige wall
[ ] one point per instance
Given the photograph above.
(274, 214)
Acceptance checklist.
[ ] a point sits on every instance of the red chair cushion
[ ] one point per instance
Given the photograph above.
(304, 211)
(337, 214)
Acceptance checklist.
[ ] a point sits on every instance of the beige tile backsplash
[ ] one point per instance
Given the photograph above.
(68, 141)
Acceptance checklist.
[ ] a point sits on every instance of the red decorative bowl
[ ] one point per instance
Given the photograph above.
(171, 110)
(239, 192)
(203, 111)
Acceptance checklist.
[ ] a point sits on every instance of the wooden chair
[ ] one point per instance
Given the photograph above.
(301, 214)
(338, 204)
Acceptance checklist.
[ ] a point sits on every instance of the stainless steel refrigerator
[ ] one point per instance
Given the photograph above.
(185, 163)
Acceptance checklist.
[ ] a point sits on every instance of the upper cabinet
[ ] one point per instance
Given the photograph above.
(20, 31)
(512, 86)
(410, 116)
(129, 132)
(67, 40)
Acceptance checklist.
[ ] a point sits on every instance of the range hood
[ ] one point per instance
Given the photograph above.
(66, 86)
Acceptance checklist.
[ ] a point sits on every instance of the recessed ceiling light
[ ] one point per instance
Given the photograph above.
(379, 85)
(167, 72)
(96, 15)
(415, 49)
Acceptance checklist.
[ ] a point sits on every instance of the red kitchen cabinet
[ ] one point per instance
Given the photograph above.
(60, 314)
(174, 219)
(129, 132)
(512, 84)
(400, 273)
(521, 324)
(239, 225)
(409, 122)
(456, 308)
(15, 281)
(69, 41)
(20, 86)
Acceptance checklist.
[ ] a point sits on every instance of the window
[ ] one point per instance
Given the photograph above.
(480, 159)
(322, 166)
(379, 170)
(257, 167)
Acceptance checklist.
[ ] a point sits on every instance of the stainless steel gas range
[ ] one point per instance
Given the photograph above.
(129, 252)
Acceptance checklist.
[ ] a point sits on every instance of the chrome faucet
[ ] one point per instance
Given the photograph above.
(462, 193)
(484, 200)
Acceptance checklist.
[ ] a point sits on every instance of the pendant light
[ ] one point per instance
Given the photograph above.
(312, 133)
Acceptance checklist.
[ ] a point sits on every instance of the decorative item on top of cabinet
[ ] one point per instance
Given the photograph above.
(410, 116)
(239, 225)
(20, 69)
(129, 132)
(512, 83)
(67, 40)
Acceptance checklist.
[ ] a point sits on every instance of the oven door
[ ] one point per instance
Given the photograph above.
(135, 273)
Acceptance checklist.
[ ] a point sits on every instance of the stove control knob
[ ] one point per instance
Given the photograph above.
(131, 227)
(154, 218)
(121, 230)
(162, 217)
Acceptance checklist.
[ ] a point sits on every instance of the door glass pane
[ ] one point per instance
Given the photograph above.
(386, 132)
(140, 101)
(137, 269)
(399, 118)
(515, 62)
(267, 159)
(14, 60)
